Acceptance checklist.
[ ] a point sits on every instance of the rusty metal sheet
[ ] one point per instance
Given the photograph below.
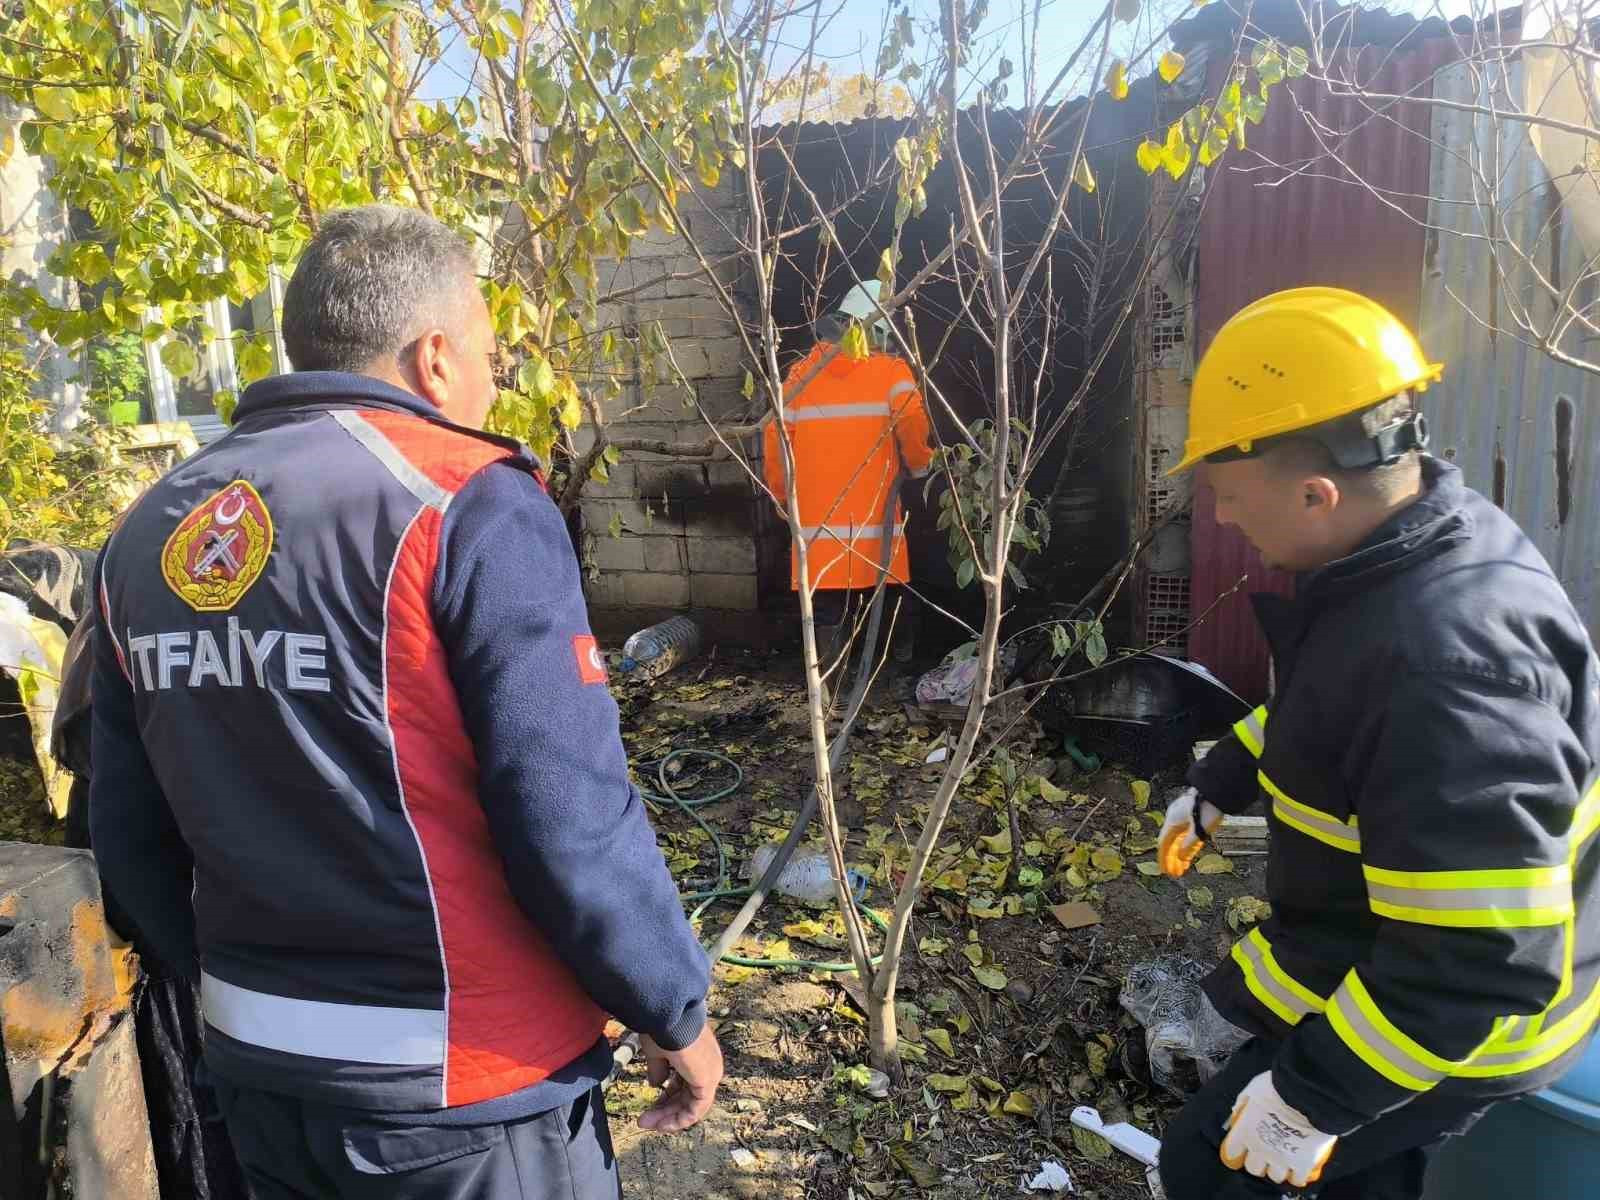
(1319, 226)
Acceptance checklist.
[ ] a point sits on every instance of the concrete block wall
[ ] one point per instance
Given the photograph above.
(71, 1081)
(690, 534)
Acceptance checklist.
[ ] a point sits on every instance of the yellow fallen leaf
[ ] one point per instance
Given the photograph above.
(940, 1039)
(967, 1100)
(1213, 864)
(1106, 861)
(928, 945)
(1050, 793)
(974, 953)
(998, 843)
(1202, 898)
(992, 978)
(1148, 868)
(1141, 794)
(988, 1085)
(1019, 1104)
(1076, 878)
(951, 1084)
(963, 1024)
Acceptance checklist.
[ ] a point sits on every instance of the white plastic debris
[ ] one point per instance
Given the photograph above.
(1052, 1177)
(742, 1158)
(938, 756)
(1134, 1142)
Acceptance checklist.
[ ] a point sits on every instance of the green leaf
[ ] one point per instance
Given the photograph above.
(56, 103)
(922, 1173)
(1253, 107)
(1050, 793)
(948, 1084)
(1148, 868)
(179, 358)
(1090, 1144)
(965, 572)
(1202, 898)
(992, 978)
(1141, 794)
(1094, 647)
(940, 1038)
(1297, 63)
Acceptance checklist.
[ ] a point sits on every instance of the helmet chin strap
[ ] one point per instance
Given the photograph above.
(1351, 446)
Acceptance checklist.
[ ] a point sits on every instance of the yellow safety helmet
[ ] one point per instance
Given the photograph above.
(1296, 359)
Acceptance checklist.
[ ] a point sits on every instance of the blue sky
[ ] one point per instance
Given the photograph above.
(850, 38)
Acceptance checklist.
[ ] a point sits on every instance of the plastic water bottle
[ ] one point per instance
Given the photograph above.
(658, 648)
(806, 877)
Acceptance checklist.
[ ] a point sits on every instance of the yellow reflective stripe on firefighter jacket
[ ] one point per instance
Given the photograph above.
(1432, 786)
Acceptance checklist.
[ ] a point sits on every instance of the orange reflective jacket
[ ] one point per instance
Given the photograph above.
(854, 426)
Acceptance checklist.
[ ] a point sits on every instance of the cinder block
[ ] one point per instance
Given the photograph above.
(648, 590)
(620, 483)
(65, 1013)
(623, 553)
(671, 479)
(721, 555)
(730, 475)
(108, 1127)
(640, 516)
(723, 591)
(605, 590)
(665, 555)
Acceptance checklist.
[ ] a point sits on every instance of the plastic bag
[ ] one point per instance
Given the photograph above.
(1186, 1038)
(951, 681)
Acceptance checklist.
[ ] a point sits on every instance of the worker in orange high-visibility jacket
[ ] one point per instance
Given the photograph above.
(856, 425)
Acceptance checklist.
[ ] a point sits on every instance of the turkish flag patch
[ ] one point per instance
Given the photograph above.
(591, 665)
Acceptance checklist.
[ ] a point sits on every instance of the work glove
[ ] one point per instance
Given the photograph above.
(1272, 1141)
(1190, 820)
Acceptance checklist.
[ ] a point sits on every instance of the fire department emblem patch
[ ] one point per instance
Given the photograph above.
(219, 550)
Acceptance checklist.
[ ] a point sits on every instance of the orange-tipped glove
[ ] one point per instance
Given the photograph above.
(1273, 1141)
(1190, 820)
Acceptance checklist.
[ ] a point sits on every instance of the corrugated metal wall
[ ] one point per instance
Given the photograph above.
(1524, 428)
(1314, 228)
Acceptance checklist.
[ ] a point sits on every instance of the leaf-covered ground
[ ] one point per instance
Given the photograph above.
(1009, 1019)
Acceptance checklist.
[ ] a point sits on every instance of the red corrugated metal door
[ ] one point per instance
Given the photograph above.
(1323, 226)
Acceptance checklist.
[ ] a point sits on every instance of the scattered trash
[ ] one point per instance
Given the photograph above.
(808, 877)
(1131, 1140)
(658, 648)
(1187, 1040)
(1241, 835)
(951, 681)
(1052, 1177)
(801, 1123)
(1076, 915)
(744, 1159)
(938, 756)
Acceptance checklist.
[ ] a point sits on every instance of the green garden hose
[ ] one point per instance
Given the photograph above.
(721, 891)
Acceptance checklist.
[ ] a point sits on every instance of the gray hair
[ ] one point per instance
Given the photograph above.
(370, 283)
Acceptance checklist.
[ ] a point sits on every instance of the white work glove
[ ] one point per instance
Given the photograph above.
(1271, 1140)
(1181, 842)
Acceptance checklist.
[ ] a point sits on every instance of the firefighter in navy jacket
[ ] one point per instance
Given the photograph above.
(359, 773)
(1428, 763)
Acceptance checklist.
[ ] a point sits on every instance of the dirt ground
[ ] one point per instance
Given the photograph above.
(1008, 1019)
(1026, 1009)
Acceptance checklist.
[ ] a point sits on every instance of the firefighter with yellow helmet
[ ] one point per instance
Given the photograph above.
(1428, 764)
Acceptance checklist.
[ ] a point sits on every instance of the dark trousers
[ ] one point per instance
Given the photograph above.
(1386, 1160)
(296, 1150)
